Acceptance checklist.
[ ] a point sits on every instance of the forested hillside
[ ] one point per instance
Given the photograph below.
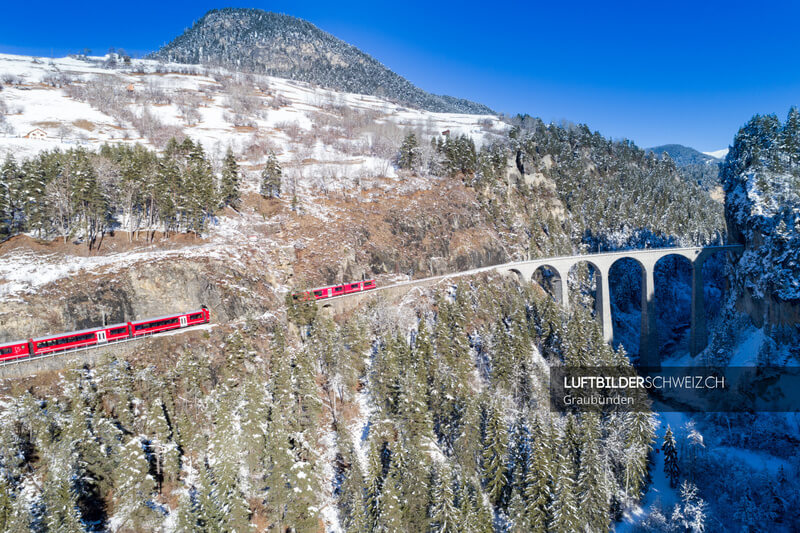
(761, 176)
(695, 166)
(446, 428)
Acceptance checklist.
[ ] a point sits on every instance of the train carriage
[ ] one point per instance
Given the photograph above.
(335, 290)
(88, 338)
(115, 332)
(14, 350)
(65, 341)
(169, 322)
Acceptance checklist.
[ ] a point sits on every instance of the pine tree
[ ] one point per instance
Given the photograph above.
(538, 481)
(209, 508)
(134, 487)
(444, 513)
(790, 137)
(88, 200)
(409, 152)
(21, 519)
(565, 515)
(638, 443)
(60, 500)
(199, 195)
(6, 503)
(351, 496)
(390, 509)
(671, 467)
(229, 194)
(271, 178)
(592, 481)
(494, 454)
(11, 197)
(188, 519)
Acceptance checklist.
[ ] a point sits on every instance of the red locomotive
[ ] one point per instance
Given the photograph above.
(335, 290)
(103, 335)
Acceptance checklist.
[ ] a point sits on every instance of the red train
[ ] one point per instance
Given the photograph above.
(335, 290)
(102, 335)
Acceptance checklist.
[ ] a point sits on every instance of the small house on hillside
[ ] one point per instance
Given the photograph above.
(36, 133)
(130, 88)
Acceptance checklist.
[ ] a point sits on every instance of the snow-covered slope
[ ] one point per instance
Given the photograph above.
(230, 109)
(719, 154)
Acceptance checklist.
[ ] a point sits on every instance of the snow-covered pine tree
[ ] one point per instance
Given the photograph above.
(538, 479)
(390, 503)
(444, 513)
(271, 178)
(188, 519)
(790, 137)
(409, 152)
(671, 467)
(6, 502)
(12, 197)
(638, 444)
(199, 191)
(91, 203)
(593, 490)
(59, 498)
(134, 488)
(22, 519)
(494, 453)
(225, 458)
(351, 495)
(229, 194)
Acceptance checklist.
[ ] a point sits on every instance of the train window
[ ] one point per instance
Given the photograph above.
(354, 285)
(5, 351)
(156, 324)
(317, 293)
(66, 340)
(196, 316)
(118, 331)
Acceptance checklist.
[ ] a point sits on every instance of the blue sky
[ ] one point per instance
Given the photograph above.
(656, 73)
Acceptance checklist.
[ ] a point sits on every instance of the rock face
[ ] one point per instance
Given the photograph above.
(287, 47)
(142, 291)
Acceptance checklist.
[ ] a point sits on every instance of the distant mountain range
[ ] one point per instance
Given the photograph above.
(684, 155)
(699, 167)
(287, 47)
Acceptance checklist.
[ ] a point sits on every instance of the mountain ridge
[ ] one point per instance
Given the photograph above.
(284, 46)
(684, 155)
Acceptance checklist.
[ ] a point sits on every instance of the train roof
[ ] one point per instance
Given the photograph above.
(68, 334)
(12, 343)
(174, 315)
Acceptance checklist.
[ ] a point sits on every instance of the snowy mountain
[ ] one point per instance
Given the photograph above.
(683, 155)
(279, 45)
(694, 166)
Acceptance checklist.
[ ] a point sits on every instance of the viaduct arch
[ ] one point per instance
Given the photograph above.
(647, 259)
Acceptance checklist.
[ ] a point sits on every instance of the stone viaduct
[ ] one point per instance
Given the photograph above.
(601, 263)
